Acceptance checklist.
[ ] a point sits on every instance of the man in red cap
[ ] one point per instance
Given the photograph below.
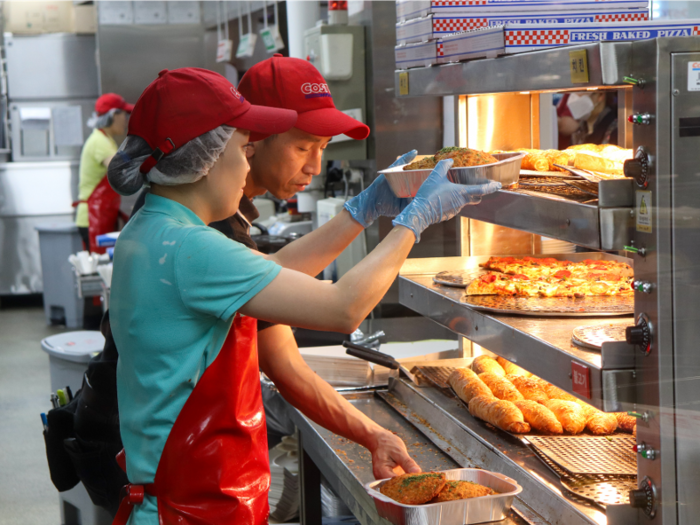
(98, 204)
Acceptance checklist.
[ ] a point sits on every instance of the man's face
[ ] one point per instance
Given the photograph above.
(285, 164)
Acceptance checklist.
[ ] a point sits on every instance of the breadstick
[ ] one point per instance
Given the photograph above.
(512, 368)
(501, 387)
(569, 414)
(467, 384)
(485, 363)
(539, 417)
(601, 424)
(502, 414)
(529, 387)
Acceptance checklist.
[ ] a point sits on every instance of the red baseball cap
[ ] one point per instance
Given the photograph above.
(292, 83)
(112, 101)
(185, 103)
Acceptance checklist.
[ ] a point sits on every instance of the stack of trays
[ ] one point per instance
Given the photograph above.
(426, 30)
(333, 365)
(284, 484)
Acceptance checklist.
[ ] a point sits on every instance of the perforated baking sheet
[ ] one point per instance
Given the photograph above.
(589, 455)
(590, 306)
(437, 375)
(593, 337)
(600, 489)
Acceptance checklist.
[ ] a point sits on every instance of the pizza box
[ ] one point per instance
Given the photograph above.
(525, 37)
(423, 54)
(408, 9)
(435, 26)
(487, 42)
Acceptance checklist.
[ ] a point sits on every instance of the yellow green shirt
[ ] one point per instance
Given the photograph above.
(97, 148)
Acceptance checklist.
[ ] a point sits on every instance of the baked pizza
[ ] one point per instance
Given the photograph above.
(548, 277)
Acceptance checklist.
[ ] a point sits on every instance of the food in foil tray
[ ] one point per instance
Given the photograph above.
(463, 157)
(414, 489)
(455, 490)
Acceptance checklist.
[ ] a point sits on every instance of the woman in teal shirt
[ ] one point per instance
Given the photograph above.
(185, 299)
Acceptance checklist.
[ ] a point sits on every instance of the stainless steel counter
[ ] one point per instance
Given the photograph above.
(348, 466)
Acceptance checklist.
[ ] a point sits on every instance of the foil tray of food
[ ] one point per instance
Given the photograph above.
(452, 497)
(470, 167)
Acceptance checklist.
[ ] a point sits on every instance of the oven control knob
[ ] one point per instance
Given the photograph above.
(644, 497)
(638, 167)
(640, 118)
(642, 286)
(640, 334)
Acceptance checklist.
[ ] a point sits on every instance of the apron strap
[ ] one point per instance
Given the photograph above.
(131, 494)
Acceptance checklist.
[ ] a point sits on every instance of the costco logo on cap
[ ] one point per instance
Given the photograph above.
(237, 94)
(315, 90)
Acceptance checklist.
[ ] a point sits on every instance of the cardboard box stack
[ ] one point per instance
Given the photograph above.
(424, 25)
(35, 18)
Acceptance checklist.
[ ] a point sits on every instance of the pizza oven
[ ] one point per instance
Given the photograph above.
(633, 354)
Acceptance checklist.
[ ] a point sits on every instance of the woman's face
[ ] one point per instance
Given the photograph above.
(227, 177)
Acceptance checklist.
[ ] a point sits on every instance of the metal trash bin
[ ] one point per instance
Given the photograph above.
(57, 241)
(69, 354)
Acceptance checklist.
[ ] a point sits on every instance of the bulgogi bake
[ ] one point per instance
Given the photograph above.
(463, 157)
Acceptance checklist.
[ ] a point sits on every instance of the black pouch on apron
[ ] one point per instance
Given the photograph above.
(60, 428)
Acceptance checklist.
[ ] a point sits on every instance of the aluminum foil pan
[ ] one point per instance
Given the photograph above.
(506, 171)
(461, 512)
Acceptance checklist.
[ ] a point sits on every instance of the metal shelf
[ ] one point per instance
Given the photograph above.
(583, 224)
(608, 63)
(541, 345)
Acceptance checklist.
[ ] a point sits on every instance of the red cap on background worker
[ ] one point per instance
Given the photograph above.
(98, 205)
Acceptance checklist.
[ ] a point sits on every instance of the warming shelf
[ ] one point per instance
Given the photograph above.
(541, 345)
(549, 69)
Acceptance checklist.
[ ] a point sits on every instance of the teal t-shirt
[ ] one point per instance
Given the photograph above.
(176, 286)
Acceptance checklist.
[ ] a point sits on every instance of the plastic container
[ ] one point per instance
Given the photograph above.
(460, 512)
(57, 241)
(506, 171)
(69, 354)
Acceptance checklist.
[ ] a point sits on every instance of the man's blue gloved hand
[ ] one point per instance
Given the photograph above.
(439, 200)
(378, 200)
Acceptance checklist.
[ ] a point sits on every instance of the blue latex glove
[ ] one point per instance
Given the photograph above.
(439, 200)
(378, 200)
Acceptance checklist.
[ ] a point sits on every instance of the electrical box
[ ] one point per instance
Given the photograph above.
(353, 254)
(338, 52)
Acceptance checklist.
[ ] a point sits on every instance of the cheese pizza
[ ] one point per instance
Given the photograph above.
(548, 277)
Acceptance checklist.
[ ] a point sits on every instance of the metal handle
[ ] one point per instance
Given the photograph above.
(370, 355)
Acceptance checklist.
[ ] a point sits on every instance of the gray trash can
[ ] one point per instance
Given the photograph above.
(69, 354)
(61, 303)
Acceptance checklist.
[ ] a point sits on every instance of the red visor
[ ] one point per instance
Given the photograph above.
(292, 83)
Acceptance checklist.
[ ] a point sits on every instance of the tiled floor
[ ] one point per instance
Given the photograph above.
(27, 496)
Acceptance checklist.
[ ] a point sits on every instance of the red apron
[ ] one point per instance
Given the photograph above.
(215, 467)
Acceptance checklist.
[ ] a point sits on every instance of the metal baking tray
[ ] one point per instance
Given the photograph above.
(589, 306)
(405, 184)
(460, 512)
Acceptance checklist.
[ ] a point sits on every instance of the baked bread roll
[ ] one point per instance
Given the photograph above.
(534, 160)
(555, 156)
(569, 414)
(588, 410)
(529, 387)
(486, 363)
(625, 422)
(502, 414)
(554, 392)
(501, 387)
(512, 368)
(467, 384)
(601, 424)
(539, 417)
(586, 161)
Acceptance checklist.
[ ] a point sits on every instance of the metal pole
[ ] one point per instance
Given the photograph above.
(300, 17)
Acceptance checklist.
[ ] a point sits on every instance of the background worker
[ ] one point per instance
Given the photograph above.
(98, 204)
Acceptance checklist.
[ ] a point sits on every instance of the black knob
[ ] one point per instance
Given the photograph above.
(638, 498)
(635, 335)
(633, 168)
(638, 167)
